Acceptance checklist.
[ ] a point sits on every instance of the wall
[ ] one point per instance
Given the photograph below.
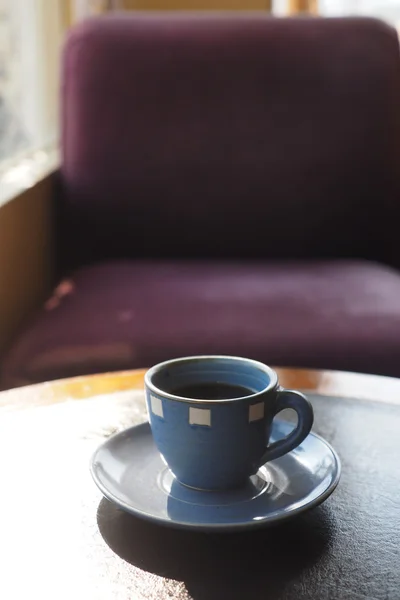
(25, 256)
(283, 7)
(198, 4)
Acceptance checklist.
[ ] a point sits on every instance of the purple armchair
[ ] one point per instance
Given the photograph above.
(229, 184)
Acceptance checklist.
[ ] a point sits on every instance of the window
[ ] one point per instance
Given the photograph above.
(384, 9)
(14, 134)
(31, 33)
(30, 39)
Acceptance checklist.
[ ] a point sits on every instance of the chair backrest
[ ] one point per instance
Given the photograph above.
(228, 136)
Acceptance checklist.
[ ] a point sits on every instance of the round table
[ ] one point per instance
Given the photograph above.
(60, 539)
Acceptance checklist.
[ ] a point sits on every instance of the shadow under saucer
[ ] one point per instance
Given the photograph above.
(215, 565)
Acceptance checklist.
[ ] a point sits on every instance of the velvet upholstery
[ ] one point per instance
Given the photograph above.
(245, 137)
(119, 315)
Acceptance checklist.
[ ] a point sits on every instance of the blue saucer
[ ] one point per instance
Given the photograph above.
(130, 472)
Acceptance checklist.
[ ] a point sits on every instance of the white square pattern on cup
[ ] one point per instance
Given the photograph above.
(256, 412)
(156, 406)
(200, 416)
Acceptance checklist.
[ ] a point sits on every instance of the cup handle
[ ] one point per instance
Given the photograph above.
(305, 417)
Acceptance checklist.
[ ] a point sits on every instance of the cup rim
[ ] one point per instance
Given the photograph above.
(273, 377)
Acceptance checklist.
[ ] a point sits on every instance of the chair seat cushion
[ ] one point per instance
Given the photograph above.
(126, 314)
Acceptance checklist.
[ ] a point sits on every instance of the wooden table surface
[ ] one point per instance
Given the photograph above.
(59, 538)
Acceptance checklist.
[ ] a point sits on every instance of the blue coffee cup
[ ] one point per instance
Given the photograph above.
(213, 442)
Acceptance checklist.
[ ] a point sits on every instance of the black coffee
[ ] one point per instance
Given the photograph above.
(211, 391)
